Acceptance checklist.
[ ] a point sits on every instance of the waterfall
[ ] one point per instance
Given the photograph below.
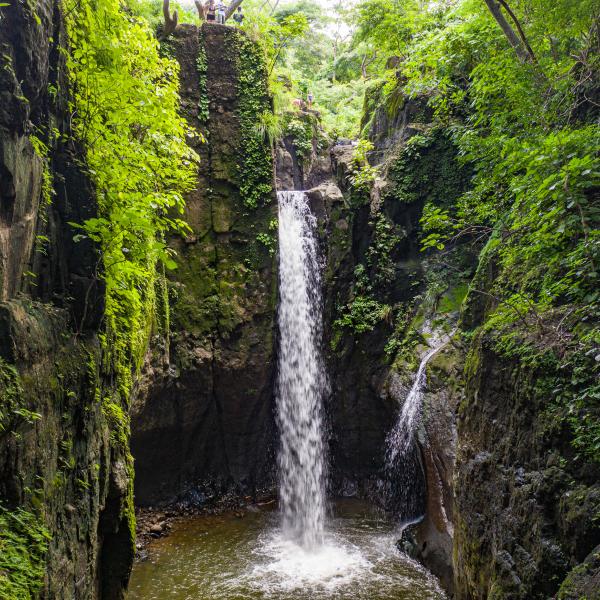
(400, 438)
(301, 377)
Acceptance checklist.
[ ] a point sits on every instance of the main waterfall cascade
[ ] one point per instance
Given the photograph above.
(295, 554)
(301, 376)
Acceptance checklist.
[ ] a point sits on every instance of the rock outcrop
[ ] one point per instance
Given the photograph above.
(302, 159)
(203, 417)
(511, 509)
(526, 508)
(59, 459)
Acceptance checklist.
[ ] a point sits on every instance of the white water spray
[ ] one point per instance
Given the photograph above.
(400, 438)
(301, 377)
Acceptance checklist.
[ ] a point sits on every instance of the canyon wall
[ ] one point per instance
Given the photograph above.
(203, 416)
(509, 505)
(65, 469)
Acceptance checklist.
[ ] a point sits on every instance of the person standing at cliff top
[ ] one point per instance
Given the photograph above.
(210, 10)
(221, 12)
(310, 99)
(238, 17)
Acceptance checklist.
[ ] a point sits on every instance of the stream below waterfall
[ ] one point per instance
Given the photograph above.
(230, 558)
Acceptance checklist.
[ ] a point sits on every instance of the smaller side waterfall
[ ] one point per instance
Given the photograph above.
(400, 438)
(301, 375)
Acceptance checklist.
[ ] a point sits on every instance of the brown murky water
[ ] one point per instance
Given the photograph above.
(229, 558)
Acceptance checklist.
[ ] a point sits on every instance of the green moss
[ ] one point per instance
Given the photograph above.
(427, 170)
(255, 162)
(579, 583)
(476, 304)
(452, 299)
(23, 547)
(372, 100)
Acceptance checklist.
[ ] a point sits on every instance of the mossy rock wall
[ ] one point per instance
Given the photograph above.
(59, 458)
(203, 419)
(527, 505)
(64, 473)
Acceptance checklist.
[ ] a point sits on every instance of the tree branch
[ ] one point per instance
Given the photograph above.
(512, 15)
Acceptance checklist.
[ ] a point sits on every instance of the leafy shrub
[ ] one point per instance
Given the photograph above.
(125, 106)
(23, 546)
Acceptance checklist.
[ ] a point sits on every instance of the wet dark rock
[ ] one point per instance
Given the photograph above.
(524, 516)
(408, 543)
(293, 169)
(61, 466)
(202, 419)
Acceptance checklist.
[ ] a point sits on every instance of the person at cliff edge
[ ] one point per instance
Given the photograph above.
(211, 11)
(238, 17)
(221, 12)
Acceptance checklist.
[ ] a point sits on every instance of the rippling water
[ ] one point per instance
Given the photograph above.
(229, 558)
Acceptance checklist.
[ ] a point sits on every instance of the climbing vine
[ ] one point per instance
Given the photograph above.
(201, 68)
(255, 168)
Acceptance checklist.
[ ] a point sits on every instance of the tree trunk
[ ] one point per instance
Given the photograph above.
(514, 40)
(522, 35)
(232, 8)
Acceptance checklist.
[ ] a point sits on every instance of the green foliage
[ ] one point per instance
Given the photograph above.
(427, 168)
(566, 369)
(12, 409)
(152, 11)
(364, 311)
(254, 158)
(23, 547)
(269, 239)
(362, 314)
(517, 160)
(301, 47)
(301, 133)
(202, 67)
(405, 337)
(379, 255)
(361, 174)
(270, 127)
(125, 112)
(387, 24)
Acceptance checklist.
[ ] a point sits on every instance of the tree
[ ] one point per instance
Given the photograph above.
(518, 42)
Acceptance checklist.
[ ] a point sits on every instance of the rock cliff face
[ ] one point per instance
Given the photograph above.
(378, 297)
(203, 419)
(59, 461)
(361, 408)
(302, 158)
(510, 509)
(526, 507)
